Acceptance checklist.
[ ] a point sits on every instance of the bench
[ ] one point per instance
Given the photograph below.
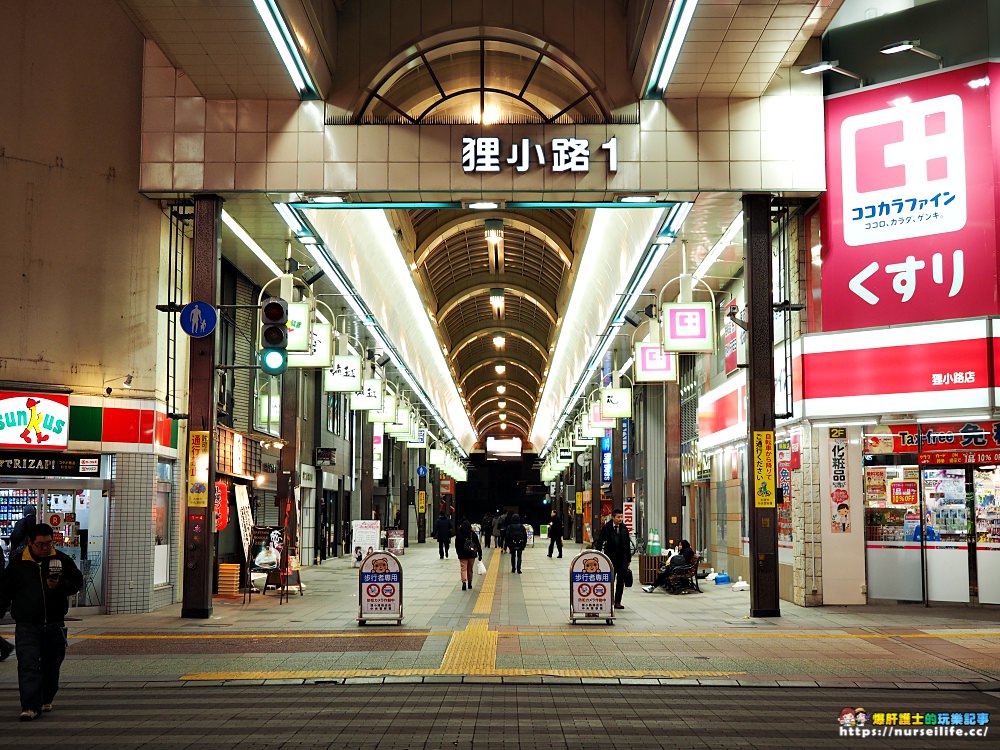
(684, 579)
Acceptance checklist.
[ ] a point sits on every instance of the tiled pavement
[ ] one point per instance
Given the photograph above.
(484, 717)
(515, 629)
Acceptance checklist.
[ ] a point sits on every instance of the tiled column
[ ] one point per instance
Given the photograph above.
(130, 538)
(807, 519)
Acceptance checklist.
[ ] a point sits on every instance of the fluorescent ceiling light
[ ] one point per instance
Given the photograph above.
(247, 240)
(678, 22)
(820, 67)
(483, 205)
(326, 199)
(290, 217)
(637, 199)
(718, 248)
(284, 42)
(892, 49)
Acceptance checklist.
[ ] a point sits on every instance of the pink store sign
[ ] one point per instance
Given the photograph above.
(909, 214)
(688, 327)
(653, 365)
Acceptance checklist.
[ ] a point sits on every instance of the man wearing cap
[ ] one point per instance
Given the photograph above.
(36, 586)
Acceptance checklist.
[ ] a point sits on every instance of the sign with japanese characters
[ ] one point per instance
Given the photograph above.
(902, 492)
(616, 402)
(320, 349)
(606, 470)
(343, 375)
(486, 154)
(764, 478)
(783, 449)
(380, 586)
(653, 365)
(688, 327)
(370, 396)
(840, 497)
(198, 452)
(298, 325)
(591, 583)
(910, 208)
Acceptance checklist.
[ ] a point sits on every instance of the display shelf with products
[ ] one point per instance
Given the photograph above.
(12, 503)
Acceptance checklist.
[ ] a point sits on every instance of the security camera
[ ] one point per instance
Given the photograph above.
(107, 391)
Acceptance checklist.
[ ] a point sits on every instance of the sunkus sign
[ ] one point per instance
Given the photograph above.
(33, 420)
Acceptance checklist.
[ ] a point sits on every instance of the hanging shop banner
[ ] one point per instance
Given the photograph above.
(221, 505)
(34, 420)
(245, 514)
(387, 413)
(628, 511)
(783, 451)
(591, 577)
(688, 327)
(378, 450)
(365, 536)
(320, 351)
(266, 543)
(198, 447)
(581, 439)
(299, 317)
(839, 495)
(909, 209)
(876, 489)
(731, 338)
(653, 365)
(796, 438)
(565, 454)
(420, 440)
(616, 402)
(960, 443)
(400, 426)
(606, 460)
(579, 503)
(903, 492)
(589, 430)
(599, 422)
(370, 396)
(764, 481)
(447, 486)
(380, 588)
(343, 375)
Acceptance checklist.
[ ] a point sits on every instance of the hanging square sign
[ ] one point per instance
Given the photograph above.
(299, 318)
(616, 402)
(370, 396)
(387, 413)
(343, 375)
(653, 365)
(688, 327)
(320, 350)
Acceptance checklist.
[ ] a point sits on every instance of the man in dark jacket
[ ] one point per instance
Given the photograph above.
(19, 534)
(614, 542)
(487, 528)
(442, 531)
(36, 586)
(555, 533)
(516, 539)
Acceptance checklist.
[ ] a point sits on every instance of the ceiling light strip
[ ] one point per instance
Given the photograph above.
(713, 255)
(284, 42)
(678, 23)
(247, 240)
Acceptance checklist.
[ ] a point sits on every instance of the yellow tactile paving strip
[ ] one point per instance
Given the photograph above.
(345, 673)
(484, 602)
(472, 651)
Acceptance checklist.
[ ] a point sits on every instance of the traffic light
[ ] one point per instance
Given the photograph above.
(273, 335)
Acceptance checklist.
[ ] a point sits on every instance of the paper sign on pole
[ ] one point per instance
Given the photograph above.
(198, 447)
(764, 482)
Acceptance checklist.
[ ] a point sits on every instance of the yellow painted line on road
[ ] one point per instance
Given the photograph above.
(472, 651)
(484, 602)
(739, 634)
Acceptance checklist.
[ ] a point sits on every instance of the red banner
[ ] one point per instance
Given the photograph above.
(221, 505)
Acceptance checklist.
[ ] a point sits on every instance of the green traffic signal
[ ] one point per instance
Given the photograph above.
(273, 361)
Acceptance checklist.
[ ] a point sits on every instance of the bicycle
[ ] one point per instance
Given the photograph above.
(637, 545)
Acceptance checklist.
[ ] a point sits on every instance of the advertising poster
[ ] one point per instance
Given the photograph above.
(365, 536)
(903, 492)
(591, 582)
(875, 486)
(198, 447)
(381, 587)
(394, 540)
(764, 477)
(839, 495)
(266, 543)
(245, 514)
(909, 212)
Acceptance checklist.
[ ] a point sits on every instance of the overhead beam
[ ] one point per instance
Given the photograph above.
(481, 283)
(431, 235)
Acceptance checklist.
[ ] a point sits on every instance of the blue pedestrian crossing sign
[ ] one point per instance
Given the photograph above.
(421, 471)
(198, 319)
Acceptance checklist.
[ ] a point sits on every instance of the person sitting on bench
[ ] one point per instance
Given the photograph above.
(680, 560)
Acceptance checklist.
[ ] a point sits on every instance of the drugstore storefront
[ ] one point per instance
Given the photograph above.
(932, 513)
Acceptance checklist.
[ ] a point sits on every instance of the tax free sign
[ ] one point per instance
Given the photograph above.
(910, 215)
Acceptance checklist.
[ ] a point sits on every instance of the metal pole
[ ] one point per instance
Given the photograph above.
(199, 521)
(760, 404)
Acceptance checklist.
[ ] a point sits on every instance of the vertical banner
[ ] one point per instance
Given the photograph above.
(198, 442)
(763, 469)
(839, 495)
(579, 503)
(628, 510)
(245, 514)
(784, 453)
(378, 446)
(421, 501)
(605, 460)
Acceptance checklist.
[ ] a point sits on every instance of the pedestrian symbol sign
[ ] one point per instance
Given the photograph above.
(198, 319)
